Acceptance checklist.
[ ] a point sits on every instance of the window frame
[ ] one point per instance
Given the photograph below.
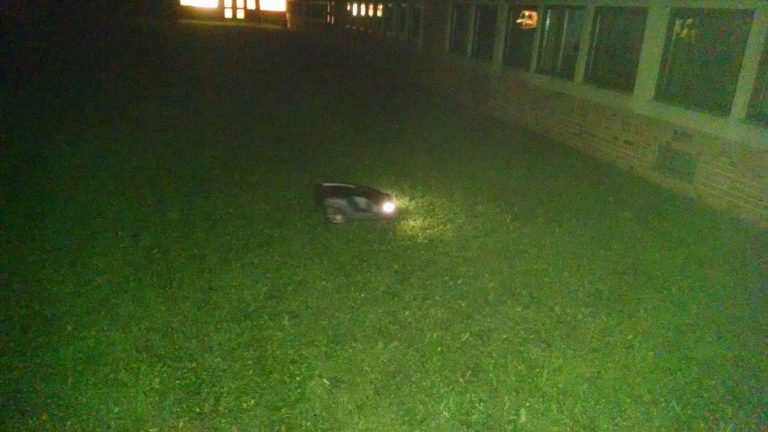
(476, 53)
(665, 95)
(595, 45)
(514, 33)
(463, 45)
(558, 71)
(757, 111)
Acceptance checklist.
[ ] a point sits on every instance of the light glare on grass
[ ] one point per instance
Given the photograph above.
(272, 5)
(426, 218)
(208, 4)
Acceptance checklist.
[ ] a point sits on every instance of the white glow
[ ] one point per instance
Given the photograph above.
(429, 216)
(228, 13)
(251, 4)
(370, 9)
(208, 4)
(380, 10)
(241, 14)
(272, 5)
(227, 3)
(388, 207)
(240, 4)
(354, 9)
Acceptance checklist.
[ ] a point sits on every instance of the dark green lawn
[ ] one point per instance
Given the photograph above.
(163, 267)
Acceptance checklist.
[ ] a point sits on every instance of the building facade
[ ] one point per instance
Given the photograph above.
(674, 91)
(272, 11)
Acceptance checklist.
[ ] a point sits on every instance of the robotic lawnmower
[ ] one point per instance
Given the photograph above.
(345, 201)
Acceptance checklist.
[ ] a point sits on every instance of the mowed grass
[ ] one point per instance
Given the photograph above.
(163, 266)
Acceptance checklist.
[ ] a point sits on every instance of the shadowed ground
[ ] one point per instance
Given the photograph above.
(163, 266)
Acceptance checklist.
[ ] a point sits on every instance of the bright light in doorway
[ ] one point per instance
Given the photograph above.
(272, 5)
(208, 4)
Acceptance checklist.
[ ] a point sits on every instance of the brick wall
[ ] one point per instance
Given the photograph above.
(730, 176)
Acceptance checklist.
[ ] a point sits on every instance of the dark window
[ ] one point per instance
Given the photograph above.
(389, 17)
(559, 46)
(758, 109)
(485, 32)
(416, 14)
(402, 19)
(460, 28)
(521, 30)
(702, 58)
(617, 36)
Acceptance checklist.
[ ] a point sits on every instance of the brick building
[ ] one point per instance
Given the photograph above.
(675, 91)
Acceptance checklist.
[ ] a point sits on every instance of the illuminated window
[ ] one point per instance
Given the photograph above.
(251, 4)
(240, 13)
(240, 4)
(702, 58)
(272, 5)
(485, 32)
(354, 9)
(379, 10)
(349, 6)
(227, 3)
(209, 4)
(521, 29)
(370, 9)
(228, 13)
(560, 41)
(617, 36)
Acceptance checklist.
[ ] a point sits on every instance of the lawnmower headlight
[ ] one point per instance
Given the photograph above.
(388, 207)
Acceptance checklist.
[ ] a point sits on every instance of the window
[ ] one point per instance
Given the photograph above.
(389, 18)
(559, 48)
(272, 5)
(416, 14)
(521, 29)
(459, 28)
(485, 32)
(617, 36)
(758, 107)
(702, 58)
(402, 19)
